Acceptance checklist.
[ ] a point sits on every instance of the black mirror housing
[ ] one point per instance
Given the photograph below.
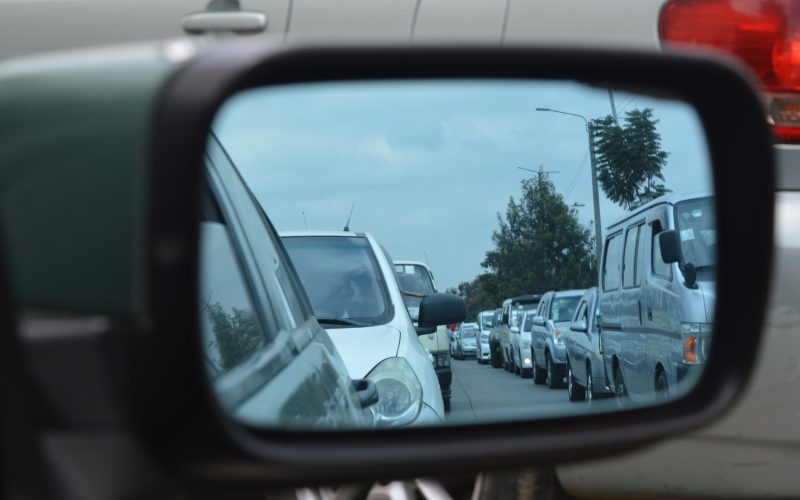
(441, 309)
(670, 244)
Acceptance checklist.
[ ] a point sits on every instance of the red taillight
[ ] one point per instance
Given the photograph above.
(765, 34)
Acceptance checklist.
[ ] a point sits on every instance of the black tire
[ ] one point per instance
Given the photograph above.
(574, 391)
(620, 390)
(495, 359)
(446, 404)
(539, 374)
(518, 365)
(553, 380)
(662, 386)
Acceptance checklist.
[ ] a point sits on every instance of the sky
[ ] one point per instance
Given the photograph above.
(430, 164)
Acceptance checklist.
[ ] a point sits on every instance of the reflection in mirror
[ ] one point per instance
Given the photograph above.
(575, 223)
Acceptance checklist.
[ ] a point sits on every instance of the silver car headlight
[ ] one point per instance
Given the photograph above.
(399, 391)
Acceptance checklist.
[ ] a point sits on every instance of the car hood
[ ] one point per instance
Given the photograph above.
(363, 348)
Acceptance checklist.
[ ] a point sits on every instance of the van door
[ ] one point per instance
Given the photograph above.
(661, 312)
(637, 371)
(609, 303)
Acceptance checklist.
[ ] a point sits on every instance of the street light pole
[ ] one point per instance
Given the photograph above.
(598, 237)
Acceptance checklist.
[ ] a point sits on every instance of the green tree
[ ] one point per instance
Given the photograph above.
(539, 246)
(629, 158)
(481, 294)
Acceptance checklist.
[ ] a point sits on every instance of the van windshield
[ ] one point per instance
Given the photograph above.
(415, 279)
(695, 222)
(486, 320)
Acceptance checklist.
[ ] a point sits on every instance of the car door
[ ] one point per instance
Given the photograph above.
(269, 359)
(539, 332)
(637, 370)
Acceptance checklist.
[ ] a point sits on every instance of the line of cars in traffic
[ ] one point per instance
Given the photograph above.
(642, 332)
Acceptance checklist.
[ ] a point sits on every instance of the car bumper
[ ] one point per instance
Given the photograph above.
(687, 374)
(484, 351)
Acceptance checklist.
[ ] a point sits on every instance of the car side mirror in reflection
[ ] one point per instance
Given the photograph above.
(578, 326)
(440, 309)
(670, 246)
(538, 320)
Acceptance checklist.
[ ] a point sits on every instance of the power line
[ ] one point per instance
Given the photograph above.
(577, 175)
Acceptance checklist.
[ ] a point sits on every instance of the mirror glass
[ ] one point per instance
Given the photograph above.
(336, 214)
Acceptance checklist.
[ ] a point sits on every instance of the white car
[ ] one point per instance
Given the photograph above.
(521, 345)
(485, 322)
(350, 282)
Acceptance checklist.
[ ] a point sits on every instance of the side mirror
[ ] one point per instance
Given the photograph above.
(670, 243)
(440, 309)
(538, 320)
(578, 326)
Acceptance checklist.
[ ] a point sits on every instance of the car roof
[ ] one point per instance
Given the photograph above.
(314, 232)
(411, 263)
(667, 199)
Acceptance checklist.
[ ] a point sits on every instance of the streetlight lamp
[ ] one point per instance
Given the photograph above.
(597, 226)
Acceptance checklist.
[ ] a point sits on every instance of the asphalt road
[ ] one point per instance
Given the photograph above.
(481, 393)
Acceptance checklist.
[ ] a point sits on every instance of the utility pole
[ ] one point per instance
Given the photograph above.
(598, 238)
(598, 235)
(540, 172)
(613, 106)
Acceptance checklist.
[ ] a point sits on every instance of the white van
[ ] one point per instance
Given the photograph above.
(417, 278)
(657, 294)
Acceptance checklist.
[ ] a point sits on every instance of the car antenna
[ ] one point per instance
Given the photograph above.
(428, 260)
(347, 224)
(305, 221)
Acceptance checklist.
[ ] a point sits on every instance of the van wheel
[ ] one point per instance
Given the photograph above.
(574, 391)
(553, 381)
(446, 404)
(662, 387)
(620, 391)
(539, 374)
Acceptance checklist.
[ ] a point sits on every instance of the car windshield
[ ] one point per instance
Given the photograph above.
(341, 278)
(416, 279)
(563, 308)
(468, 333)
(696, 224)
(486, 321)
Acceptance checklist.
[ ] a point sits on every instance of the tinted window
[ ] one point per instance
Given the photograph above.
(231, 330)
(637, 275)
(341, 278)
(629, 270)
(660, 268)
(486, 320)
(580, 313)
(563, 308)
(612, 262)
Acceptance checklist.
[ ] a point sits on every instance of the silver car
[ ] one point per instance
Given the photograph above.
(550, 326)
(466, 340)
(585, 374)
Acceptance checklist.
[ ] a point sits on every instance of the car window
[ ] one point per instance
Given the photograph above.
(580, 313)
(230, 326)
(629, 277)
(341, 278)
(252, 227)
(659, 267)
(612, 261)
